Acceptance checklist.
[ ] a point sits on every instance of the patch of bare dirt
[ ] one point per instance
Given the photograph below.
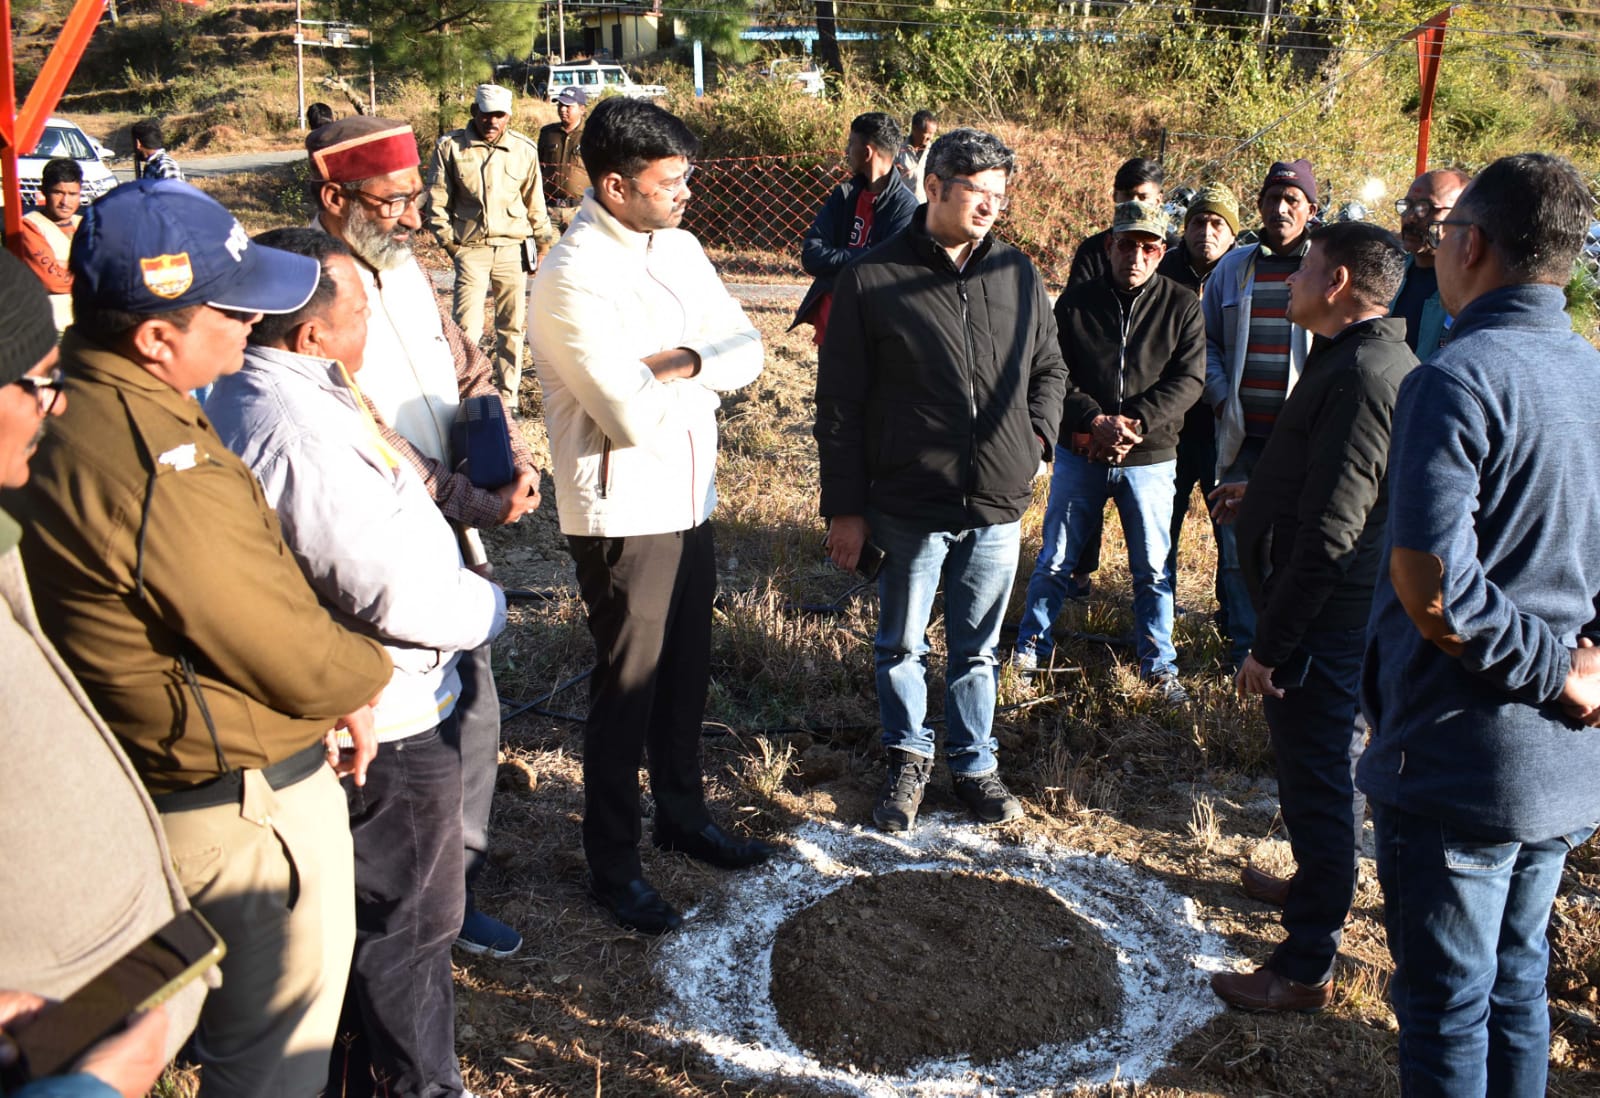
(895, 969)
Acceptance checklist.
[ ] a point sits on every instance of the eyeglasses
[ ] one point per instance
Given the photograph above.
(1128, 244)
(999, 201)
(672, 188)
(386, 205)
(44, 389)
(1435, 230)
(1403, 206)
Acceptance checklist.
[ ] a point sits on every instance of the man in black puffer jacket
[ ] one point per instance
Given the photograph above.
(1310, 534)
(1135, 348)
(937, 387)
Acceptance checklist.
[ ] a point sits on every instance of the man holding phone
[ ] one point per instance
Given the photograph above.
(421, 366)
(163, 581)
(938, 382)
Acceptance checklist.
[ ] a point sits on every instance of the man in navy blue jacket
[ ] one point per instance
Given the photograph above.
(874, 204)
(1479, 679)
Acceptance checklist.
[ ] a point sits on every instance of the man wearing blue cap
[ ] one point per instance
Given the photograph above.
(160, 576)
(565, 177)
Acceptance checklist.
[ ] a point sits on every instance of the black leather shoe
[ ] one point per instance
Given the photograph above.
(637, 906)
(714, 846)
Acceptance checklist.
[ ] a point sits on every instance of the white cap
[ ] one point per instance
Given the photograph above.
(492, 99)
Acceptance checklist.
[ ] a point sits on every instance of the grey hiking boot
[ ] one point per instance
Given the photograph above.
(1170, 691)
(901, 796)
(988, 798)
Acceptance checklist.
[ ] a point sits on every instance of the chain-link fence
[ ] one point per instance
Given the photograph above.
(751, 213)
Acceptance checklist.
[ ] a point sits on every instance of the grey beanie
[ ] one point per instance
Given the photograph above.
(25, 319)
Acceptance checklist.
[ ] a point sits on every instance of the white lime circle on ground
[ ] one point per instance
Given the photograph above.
(717, 968)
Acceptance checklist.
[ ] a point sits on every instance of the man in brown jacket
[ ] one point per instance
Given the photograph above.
(85, 877)
(565, 176)
(160, 576)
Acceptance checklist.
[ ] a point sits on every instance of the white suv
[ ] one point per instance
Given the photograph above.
(63, 138)
(595, 78)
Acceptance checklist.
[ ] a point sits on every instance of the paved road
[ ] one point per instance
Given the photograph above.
(198, 167)
(747, 292)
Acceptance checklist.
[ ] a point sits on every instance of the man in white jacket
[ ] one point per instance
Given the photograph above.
(381, 557)
(635, 338)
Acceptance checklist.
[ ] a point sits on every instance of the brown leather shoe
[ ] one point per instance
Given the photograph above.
(1264, 989)
(1265, 887)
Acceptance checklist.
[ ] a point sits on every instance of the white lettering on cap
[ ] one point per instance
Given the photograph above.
(238, 241)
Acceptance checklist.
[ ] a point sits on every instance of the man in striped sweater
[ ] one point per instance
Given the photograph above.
(1254, 355)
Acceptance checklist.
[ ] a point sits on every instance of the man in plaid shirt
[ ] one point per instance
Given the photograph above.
(419, 368)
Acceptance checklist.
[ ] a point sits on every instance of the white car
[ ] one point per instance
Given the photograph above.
(596, 78)
(806, 81)
(63, 138)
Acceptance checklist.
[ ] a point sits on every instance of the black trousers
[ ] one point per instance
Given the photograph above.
(476, 736)
(1318, 735)
(397, 1036)
(649, 599)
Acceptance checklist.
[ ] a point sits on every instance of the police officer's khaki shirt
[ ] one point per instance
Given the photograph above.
(146, 541)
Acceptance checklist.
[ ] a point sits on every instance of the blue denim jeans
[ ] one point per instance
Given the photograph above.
(1466, 923)
(1233, 595)
(1078, 492)
(1317, 737)
(977, 567)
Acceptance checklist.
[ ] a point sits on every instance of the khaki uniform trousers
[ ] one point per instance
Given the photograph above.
(481, 268)
(276, 877)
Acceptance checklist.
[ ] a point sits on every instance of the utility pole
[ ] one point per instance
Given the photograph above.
(300, 65)
(561, 28)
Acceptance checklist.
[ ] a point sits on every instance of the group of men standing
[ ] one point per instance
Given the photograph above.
(1420, 631)
(354, 651)
(312, 749)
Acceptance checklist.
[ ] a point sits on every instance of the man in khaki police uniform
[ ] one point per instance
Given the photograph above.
(160, 575)
(560, 159)
(486, 206)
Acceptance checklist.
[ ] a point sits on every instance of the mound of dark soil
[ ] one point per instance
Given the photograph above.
(895, 969)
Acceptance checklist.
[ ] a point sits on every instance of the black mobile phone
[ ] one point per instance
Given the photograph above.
(870, 560)
(146, 976)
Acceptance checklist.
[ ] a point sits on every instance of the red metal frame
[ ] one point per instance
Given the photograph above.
(20, 131)
(1430, 48)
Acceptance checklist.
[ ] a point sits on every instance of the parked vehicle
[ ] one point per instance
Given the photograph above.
(64, 138)
(595, 78)
(805, 80)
